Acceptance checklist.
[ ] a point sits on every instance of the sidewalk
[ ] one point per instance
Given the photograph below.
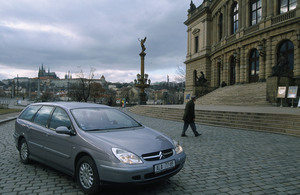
(8, 117)
(13, 103)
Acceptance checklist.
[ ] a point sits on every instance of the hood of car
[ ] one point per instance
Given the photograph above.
(139, 141)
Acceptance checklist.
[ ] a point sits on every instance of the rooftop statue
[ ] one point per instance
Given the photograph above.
(192, 7)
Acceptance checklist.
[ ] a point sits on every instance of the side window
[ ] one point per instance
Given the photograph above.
(29, 113)
(235, 17)
(256, 11)
(42, 116)
(59, 118)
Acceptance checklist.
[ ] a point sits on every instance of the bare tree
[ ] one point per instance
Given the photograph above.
(96, 91)
(81, 90)
(181, 72)
(85, 84)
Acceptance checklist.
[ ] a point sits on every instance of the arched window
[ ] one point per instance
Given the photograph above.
(286, 5)
(286, 49)
(254, 66)
(256, 11)
(235, 17)
(220, 26)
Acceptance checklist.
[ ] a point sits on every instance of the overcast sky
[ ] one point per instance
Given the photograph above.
(75, 35)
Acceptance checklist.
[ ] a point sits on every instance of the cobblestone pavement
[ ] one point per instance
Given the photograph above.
(220, 161)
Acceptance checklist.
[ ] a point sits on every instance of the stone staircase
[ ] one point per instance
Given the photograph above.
(234, 97)
(288, 124)
(253, 94)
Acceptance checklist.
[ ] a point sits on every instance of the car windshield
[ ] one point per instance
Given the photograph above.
(95, 119)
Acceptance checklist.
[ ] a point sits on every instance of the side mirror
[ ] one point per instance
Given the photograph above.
(64, 130)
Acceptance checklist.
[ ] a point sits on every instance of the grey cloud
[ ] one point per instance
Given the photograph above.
(97, 33)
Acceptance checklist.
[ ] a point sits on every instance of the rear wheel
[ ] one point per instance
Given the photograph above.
(24, 151)
(87, 175)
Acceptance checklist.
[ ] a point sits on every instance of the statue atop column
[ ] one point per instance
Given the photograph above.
(142, 41)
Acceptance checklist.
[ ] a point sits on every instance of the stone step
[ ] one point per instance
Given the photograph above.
(276, 123)
(244, 95)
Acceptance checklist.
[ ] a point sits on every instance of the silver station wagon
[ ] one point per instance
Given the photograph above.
(95, 144)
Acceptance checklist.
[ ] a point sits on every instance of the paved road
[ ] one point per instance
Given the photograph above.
(220, 161)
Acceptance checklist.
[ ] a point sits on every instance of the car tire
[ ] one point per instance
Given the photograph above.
(24, 151)
(87, 175)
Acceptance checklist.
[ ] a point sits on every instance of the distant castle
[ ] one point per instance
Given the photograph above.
(46, 75)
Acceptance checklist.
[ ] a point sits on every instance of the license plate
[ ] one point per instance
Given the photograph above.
(164, 166)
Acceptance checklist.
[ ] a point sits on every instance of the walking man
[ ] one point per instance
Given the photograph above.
(189, 117)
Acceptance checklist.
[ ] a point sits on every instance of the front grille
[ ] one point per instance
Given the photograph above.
(158, 155)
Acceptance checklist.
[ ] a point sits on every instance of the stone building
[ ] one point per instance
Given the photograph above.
(242, 41)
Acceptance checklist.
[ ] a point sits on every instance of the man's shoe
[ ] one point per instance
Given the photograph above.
(183, 135)
(198, 135)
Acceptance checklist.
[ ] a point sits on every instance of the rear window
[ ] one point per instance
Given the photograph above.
(29, 112)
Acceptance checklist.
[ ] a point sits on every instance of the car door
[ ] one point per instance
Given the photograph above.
(59, 146)
(24, 125)
(38, 131)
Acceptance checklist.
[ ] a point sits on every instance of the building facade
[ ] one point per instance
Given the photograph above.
(241, 41)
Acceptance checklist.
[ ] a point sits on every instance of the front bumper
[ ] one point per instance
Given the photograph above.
(141, 173)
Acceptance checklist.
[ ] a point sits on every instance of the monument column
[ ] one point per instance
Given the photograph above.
(141, 81)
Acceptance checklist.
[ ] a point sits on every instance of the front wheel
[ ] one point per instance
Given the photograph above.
(87, 175)
(24, 151)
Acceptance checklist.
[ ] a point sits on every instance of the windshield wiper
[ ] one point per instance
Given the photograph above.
(113, 128)
(94, 129)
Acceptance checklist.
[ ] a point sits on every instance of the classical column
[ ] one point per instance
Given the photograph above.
(189, 31)
(270, 55)
(227, 19)
(297, 57)
(265, 11)
(242, 65)
(226, 68)
(237, 65)
(262, 61)
(243, 11)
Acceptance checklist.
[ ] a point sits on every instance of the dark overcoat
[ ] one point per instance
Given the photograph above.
(189, 112)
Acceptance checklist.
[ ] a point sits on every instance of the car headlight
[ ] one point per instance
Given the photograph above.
(126, 157)
(178, 148)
